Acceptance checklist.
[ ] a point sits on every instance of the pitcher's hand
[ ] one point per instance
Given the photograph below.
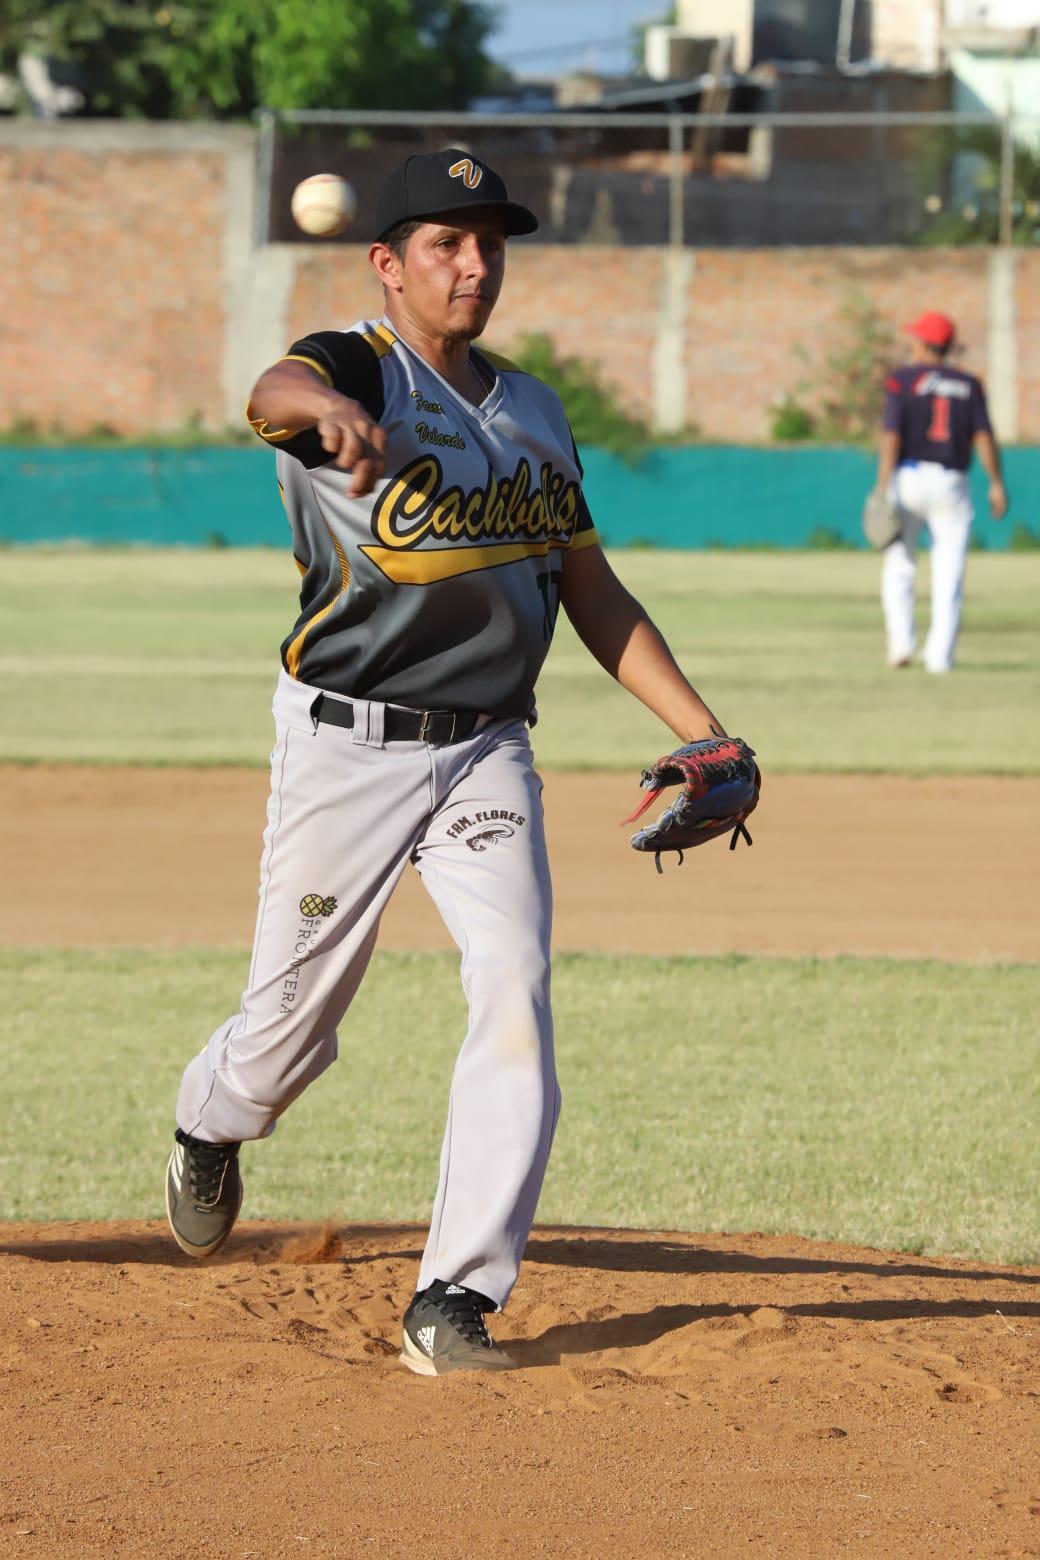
(359, 444)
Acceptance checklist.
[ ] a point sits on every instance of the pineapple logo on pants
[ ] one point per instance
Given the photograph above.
(313, 905)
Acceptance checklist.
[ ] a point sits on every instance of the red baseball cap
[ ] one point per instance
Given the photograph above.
(935, 330)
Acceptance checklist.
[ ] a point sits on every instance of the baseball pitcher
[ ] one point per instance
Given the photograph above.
(434, 495)
(934, 417)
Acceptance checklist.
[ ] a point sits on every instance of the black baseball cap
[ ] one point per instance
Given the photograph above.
(428, 183)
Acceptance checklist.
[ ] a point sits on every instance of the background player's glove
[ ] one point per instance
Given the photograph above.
(882, 522)
(720, 789)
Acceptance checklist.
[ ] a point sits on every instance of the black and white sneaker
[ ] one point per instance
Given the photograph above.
(203, 1193)
(444, 1330)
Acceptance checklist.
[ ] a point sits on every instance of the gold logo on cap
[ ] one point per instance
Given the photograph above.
(468, 171)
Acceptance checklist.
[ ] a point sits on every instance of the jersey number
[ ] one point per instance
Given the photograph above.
(939, 427)
(550, 585)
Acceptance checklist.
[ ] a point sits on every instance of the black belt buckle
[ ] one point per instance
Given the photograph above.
(437, 727)
(434, 719)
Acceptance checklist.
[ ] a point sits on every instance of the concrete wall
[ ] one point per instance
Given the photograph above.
(135, 297)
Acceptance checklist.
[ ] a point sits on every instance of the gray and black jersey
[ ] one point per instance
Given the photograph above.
(438, 590)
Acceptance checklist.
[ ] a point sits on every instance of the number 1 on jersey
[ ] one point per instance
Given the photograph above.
(939, 427)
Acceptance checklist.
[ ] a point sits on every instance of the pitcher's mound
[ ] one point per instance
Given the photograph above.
(679, 1395)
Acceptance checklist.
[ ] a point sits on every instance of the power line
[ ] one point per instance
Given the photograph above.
(551, 52)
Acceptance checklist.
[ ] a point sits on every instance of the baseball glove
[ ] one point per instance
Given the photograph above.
(720, 789)
(882, 522)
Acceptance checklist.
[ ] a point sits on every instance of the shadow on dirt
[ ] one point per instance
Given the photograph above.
(663, 1255)
(351, 1247)
(357, 1244)
(153, 1244)
(635, 1330)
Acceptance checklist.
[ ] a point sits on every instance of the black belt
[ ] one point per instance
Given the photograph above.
(436, 727)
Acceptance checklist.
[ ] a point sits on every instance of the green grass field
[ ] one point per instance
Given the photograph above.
(169, 657)
(892, 1104)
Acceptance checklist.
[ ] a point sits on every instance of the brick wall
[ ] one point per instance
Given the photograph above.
(600, 304)
(112, 258)
(762, 323)
(331, 288)
(135, 298)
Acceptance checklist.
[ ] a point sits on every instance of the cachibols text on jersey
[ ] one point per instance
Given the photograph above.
(414, 505)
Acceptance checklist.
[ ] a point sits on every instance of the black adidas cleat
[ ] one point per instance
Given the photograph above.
(203, 1193)
(444, 1330)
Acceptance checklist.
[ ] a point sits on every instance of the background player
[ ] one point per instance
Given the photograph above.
(934, 416)
(432, 576)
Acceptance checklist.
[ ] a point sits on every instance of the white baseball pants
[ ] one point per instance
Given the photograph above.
(346, 814)
(932, 495)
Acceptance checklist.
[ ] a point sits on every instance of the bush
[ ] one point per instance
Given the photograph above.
(847, 386)
(854, 373)
(1022, 539)
(595, 414)
(827, 538)
(791, 422)
(26, 432)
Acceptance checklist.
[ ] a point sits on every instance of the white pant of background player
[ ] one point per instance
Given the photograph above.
(932, 495)
(346, 814)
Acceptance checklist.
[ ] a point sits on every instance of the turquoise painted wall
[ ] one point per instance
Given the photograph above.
(693, 497)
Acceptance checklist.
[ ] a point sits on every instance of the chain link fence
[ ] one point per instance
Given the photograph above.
(704, 180)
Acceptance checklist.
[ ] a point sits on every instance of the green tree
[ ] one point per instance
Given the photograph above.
(217, 59)
(974, 216)
(418, 54)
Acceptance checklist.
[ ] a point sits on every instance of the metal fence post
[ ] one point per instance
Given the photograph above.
(1007, 176)
(846, 16)
(675, 186)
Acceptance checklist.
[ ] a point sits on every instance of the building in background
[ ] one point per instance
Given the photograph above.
(756, 31)
(843, 56)
(984, 43)
(684, 48)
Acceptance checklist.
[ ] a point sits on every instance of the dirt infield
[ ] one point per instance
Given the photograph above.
(679, 1396)
(930, 868)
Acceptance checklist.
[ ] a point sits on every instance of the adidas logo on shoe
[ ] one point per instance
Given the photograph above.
(445, 1330)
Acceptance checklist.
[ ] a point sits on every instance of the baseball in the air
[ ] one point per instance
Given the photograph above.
(323, 205)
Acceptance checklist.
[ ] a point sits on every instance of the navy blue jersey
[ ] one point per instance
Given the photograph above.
(936, 411)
